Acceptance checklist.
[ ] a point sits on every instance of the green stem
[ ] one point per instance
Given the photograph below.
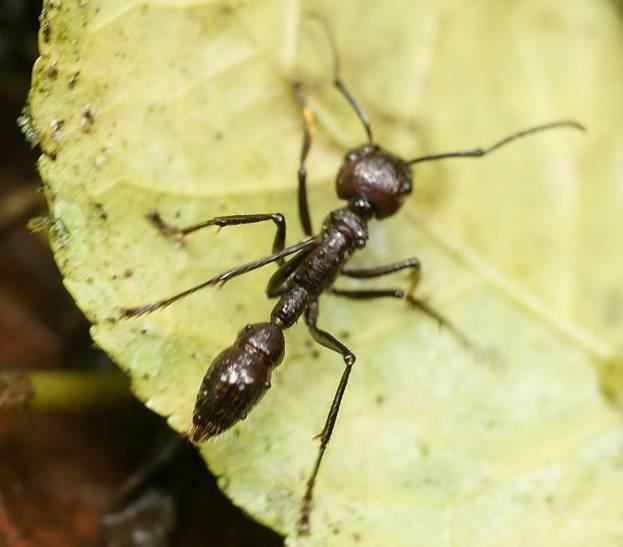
(62, 390)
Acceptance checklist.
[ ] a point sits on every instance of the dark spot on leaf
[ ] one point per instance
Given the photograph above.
(74, 79)
(380, 399)
(315, 354)
(52, 71)
(87, 117)
(46, 31)
(128, 273)
(611, 380)
(102, 212)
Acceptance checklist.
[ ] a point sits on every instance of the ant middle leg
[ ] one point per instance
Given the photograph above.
(412, 264)
(278, 282)
(416, 268)
(309, 130)
(229, 220)
(328, 341)
(417, 303)
(366, 273)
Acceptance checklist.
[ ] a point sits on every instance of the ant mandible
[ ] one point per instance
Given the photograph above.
(374, 182)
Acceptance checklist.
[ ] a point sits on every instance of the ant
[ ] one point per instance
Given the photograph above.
(374, 182)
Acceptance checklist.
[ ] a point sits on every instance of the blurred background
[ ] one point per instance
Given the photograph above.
(116, 477)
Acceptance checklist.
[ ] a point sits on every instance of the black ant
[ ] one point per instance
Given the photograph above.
(374, 182)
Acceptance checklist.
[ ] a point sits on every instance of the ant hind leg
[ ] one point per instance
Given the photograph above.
(329, 341)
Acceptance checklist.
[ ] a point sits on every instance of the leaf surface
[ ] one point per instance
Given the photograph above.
(188, 107)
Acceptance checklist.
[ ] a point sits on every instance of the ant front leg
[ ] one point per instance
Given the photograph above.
(328, 341)
(309, 129)
(230, 220)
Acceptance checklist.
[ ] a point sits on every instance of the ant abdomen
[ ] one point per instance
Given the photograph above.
(237, 379)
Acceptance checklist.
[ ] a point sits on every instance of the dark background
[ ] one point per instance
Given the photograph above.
(110, 478)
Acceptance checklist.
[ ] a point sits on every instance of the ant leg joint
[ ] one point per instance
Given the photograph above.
(165, 228)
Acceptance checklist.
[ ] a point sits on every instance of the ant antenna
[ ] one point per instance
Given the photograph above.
(337, 81)
(479, 152)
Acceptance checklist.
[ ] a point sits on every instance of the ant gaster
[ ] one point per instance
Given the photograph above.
(374, 183)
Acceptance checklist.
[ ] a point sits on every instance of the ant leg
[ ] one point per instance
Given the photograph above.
(277, 282)
(328, 341)
(378, 271)
(413, 302)
(230, 220)
(309, 130)
(221, 278)
(367, 273)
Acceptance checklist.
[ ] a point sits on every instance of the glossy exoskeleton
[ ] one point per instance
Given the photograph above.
(374, 183)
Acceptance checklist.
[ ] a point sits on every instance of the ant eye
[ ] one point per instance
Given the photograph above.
(406, 188)
(351, 156)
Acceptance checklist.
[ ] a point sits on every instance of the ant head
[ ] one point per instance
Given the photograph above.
(376, 175)
(372, 175)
